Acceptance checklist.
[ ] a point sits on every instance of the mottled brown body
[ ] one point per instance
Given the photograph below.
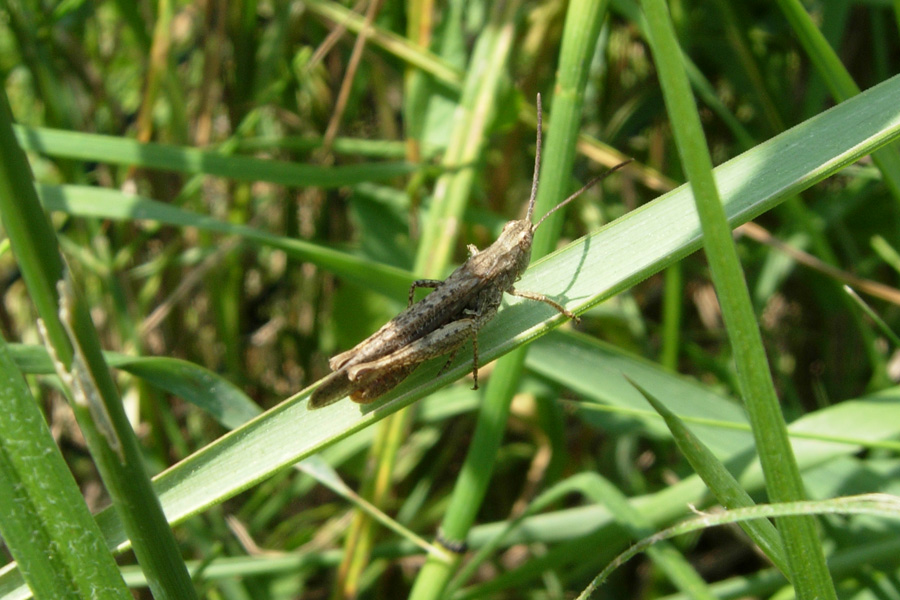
(436, 325)
(445, 319)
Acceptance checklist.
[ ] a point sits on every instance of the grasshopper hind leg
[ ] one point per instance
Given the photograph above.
(474, 360)
(371, 388)
(444, 340)
(448, 363)
(363, 390)
(333, 388)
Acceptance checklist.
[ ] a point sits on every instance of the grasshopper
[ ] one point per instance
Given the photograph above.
(447, 317)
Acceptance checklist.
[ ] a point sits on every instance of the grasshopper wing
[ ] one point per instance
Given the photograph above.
(443, 305)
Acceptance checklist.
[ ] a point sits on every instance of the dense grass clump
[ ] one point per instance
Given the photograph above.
(203, 202)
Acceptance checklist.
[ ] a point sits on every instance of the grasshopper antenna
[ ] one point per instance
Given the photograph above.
(537, 160)
(586, 187)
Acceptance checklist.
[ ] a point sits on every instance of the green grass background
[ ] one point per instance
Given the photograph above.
(237, 191)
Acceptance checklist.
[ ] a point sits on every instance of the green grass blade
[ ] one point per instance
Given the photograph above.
(840, 83)
(726, 488)
(46, 524)
(805, 555)
(83, 201)
(193, 161)
(93, 396)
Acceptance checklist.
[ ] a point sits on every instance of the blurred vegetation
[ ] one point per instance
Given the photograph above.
(243, 189)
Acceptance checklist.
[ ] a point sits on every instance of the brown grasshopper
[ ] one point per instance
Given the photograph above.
(446, 318)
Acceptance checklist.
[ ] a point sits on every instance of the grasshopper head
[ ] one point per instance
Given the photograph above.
(517, 234)
(516, 241)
